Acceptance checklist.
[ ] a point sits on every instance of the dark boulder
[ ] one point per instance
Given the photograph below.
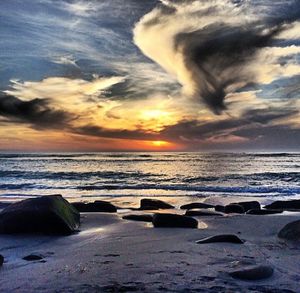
(196, 205)
(32, 257)
(173, 221)
(219, 208)
(46, 215)
(263, 212)
(290, 231)
(1, 260)
(234, 209)
(249, 205)
(201, 212)
(284, 205)
(96, 206)
(221, 238)
(253, 274)
(154, 204)
(140, 218)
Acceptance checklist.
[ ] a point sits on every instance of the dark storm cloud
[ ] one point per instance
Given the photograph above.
(217, 54)
(217, 61)
(37, 112)
(277, 137)
(98, 131)
(250, 119)
(253, 125)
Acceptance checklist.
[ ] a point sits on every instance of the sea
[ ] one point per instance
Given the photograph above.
(88, 176)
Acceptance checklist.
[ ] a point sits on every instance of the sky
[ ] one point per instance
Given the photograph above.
(151, 75)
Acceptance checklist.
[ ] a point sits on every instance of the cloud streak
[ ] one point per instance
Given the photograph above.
(210, 46)
(37, 112)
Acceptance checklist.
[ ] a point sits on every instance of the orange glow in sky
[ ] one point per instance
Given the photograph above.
(160, 143)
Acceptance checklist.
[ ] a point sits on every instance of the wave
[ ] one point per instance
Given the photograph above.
(118, 175)
(164, 187)
(216, 189)
(17, 186)
(276, 155)
(75, 175)
(278, 176)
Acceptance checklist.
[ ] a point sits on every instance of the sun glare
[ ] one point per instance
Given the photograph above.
(159, 143)
(154, 114)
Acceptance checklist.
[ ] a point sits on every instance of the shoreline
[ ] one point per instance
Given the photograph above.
(110, 254)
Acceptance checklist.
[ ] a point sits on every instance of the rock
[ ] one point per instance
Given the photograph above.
(141, 218)
(154, 204)
(46, 215)
(290, 231)
(219, 208)
(253, 274)
(249, 205)
(173, 221)
(284, 205)
(196, 205)
(1, 260)
(147, 208)
(201, 212)
(263, 212)
(221, 238)
(234, 208)
(96, 206)
(32, 257)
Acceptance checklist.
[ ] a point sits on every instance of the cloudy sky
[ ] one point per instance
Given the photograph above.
(92, 75)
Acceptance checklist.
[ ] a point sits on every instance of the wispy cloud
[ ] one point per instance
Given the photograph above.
(213, 47)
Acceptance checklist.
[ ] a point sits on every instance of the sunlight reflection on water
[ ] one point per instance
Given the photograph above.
(95, 175)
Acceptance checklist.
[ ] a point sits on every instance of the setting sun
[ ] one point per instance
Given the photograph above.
(159, 143)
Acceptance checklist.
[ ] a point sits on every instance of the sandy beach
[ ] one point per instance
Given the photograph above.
(110, 254)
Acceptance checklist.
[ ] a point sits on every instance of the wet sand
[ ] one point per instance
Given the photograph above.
(110, 254)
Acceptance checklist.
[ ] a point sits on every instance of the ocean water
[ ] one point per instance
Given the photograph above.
(92, 175)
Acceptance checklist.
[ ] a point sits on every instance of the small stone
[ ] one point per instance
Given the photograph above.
(234, 209)
(253, 274)
(249, 205)
(230, 238)
(284, 205)
(290, 231)
(32, 257)
(173, 221)
(196, 205)
(147, 203)
(96, 206)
